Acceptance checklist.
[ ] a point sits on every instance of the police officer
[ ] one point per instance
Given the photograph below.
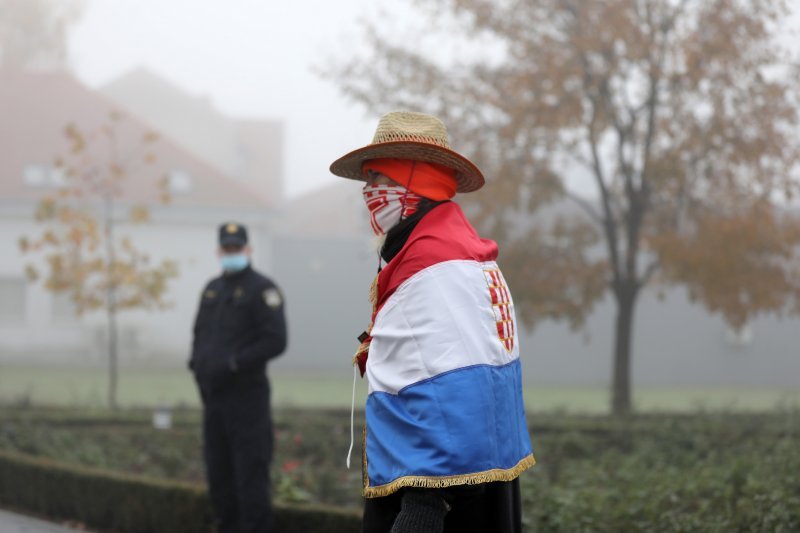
(239, 327)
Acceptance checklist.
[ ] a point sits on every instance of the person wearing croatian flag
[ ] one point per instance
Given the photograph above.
(446, 437)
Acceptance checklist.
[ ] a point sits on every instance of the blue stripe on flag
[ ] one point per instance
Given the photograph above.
(464, 421)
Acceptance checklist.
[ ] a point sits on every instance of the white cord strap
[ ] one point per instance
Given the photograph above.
(352, 409)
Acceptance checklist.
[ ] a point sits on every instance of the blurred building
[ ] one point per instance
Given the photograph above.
(320, 242)
(248, 151)
(316, 246)
(326, 258)
(36, 325)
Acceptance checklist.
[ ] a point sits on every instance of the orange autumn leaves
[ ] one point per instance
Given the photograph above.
(554, 275)
(81, 252)
(739, 263)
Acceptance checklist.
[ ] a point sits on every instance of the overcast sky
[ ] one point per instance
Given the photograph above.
(252, 58)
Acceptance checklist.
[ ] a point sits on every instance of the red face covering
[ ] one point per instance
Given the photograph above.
(429, 180)
(388, 205)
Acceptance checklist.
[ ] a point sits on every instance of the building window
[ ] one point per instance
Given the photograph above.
(180, 182)
(39, 176)
(12, 300)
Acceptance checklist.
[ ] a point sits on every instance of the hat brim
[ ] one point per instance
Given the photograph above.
(468, 177)
(232, 241)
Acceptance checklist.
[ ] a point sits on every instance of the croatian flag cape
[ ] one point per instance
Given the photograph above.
(445, 400)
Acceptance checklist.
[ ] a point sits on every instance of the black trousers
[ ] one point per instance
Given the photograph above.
(485, 508)
(237, 438)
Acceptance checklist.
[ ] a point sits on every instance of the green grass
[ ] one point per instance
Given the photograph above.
(596, 399)
(89, 386)
(149, 387)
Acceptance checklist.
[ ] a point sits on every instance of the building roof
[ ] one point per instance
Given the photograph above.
(36, 107)
(249, 151)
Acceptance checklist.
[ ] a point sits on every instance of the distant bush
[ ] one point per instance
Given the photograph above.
(99, 499)
(125, 503)
(667, 473)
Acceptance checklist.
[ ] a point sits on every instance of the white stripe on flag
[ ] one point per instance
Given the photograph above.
(414, 337)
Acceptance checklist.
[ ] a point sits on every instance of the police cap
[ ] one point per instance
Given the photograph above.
(232, 234)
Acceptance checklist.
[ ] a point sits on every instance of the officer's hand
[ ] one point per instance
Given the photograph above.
(220, 371)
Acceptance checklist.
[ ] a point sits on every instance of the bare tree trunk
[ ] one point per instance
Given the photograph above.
(112, 357)
(111, 304)
(621, 384)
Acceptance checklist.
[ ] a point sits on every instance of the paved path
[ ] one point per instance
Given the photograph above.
(16, 523)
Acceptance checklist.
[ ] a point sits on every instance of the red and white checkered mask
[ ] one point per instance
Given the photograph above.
(388, 205)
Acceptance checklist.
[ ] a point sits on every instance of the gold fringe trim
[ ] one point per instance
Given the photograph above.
(364, 348)
(373, 293)
(364, 477)
(373, 300)
(439, 482)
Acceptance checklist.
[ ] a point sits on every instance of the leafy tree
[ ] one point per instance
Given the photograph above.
(85, 258)
(33, 33)
(681, 114)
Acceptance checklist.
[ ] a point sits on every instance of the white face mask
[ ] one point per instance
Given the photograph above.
(388, 205)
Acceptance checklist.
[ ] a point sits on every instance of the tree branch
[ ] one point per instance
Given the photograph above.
(608, 221)
(639, 199)
(649, 271)
(587, 207)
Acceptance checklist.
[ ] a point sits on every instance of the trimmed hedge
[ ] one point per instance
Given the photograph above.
(124, 503)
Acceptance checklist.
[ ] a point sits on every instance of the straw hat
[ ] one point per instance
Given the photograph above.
(409, 135)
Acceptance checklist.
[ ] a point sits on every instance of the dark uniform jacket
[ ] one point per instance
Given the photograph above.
(239, 327)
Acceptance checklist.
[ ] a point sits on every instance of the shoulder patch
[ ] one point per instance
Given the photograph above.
(209, 294)
(273, 298)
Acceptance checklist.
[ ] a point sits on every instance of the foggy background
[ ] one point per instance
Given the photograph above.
(251, 128)
(130, 130)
